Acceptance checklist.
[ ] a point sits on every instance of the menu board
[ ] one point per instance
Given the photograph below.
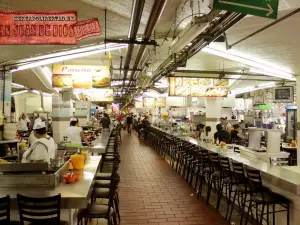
(62, 80)
(139, 105)
(198, 87)
(99, 95)
(161, 102)
(80, 76)
(149, 102)
(80, 81)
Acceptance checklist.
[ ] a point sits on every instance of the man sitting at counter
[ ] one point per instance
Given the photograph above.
(43, 148)
(221, 134)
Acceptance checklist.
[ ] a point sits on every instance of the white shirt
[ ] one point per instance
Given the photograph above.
(37, 120)
(73, 134)
(32, 138)
(42, 149)
(23, 124)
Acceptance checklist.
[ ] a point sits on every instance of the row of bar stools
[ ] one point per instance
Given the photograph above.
(231, 178)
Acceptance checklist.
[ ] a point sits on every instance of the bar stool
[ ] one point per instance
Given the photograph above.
(260, 195)
(99, 211)
(37, 211)
(204, 170)
(5, 212)
(242, 189)
(215, 175)
(227, 181)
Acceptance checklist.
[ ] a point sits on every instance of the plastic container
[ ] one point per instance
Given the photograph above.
(78, 162)
(10, 130)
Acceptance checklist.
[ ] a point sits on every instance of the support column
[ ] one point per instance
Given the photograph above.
(61, 113)
(81, 112)
(213, 112)
(298, 118)
(5, 94)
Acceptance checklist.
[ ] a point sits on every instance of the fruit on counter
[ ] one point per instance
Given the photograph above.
(70, 178)
(222, 144)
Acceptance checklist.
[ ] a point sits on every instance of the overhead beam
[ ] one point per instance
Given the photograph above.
(220, 72)
(132, 42)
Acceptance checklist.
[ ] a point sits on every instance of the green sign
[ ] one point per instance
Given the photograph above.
(265, 107)
(264, 8)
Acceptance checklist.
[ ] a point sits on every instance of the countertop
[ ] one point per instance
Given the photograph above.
(283, 177)
(74, 196)
(100, 143)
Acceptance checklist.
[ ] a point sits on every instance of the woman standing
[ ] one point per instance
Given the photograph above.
(23, 123)
(75, 133)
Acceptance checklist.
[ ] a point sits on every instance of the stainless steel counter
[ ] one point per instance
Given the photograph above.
(100, 143)
(74, 196)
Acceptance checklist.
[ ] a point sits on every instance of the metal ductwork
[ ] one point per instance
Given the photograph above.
(156, 11)
(136, 15)
(220, 21)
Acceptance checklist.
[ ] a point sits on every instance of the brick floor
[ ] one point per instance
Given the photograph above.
(152, 193)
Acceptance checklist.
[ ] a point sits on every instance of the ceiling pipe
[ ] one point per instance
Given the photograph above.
(136, 15)
(156, 11)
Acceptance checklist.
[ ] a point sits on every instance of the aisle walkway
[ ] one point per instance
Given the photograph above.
(152, 193)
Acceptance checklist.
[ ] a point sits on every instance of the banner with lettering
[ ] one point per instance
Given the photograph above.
(45, 27)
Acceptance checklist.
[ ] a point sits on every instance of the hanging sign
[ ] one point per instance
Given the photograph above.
(198, 87)
(161, 102)
(87, 28)
(60, 107)
(84, 76)
(149, 102)
(45, 27)
(264, 8)
(81, 108)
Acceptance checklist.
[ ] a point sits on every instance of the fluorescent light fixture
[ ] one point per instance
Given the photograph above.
(253, 88)
(17, 85)
(275, 72)
(190, 32)
(190, 44)
(19, 92)
(67, 55)
(47, 73)
(77, 96)
(139, 99)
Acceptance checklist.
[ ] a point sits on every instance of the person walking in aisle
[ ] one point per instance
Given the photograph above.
(129, 122)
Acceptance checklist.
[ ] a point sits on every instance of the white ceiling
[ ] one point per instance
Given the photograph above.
(277, 45)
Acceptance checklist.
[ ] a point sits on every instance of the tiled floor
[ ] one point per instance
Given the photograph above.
(152, 193)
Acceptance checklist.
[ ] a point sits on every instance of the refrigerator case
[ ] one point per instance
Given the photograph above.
(291, 119)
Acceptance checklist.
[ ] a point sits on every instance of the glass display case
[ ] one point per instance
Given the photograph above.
(291, 119)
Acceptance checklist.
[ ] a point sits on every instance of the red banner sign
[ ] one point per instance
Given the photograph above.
(44, 27)
(87, 28)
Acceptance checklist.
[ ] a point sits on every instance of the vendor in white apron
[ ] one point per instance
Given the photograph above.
(43, 149)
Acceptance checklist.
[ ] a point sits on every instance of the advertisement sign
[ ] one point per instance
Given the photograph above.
(87, 28)
(85, 76)
(45, 27)
(139, 105)
(60, 108)
(149, 102)
(81, 108)
(161, 102)
(37, 27)
(99, 95)
(198, 87)
(62, 80)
